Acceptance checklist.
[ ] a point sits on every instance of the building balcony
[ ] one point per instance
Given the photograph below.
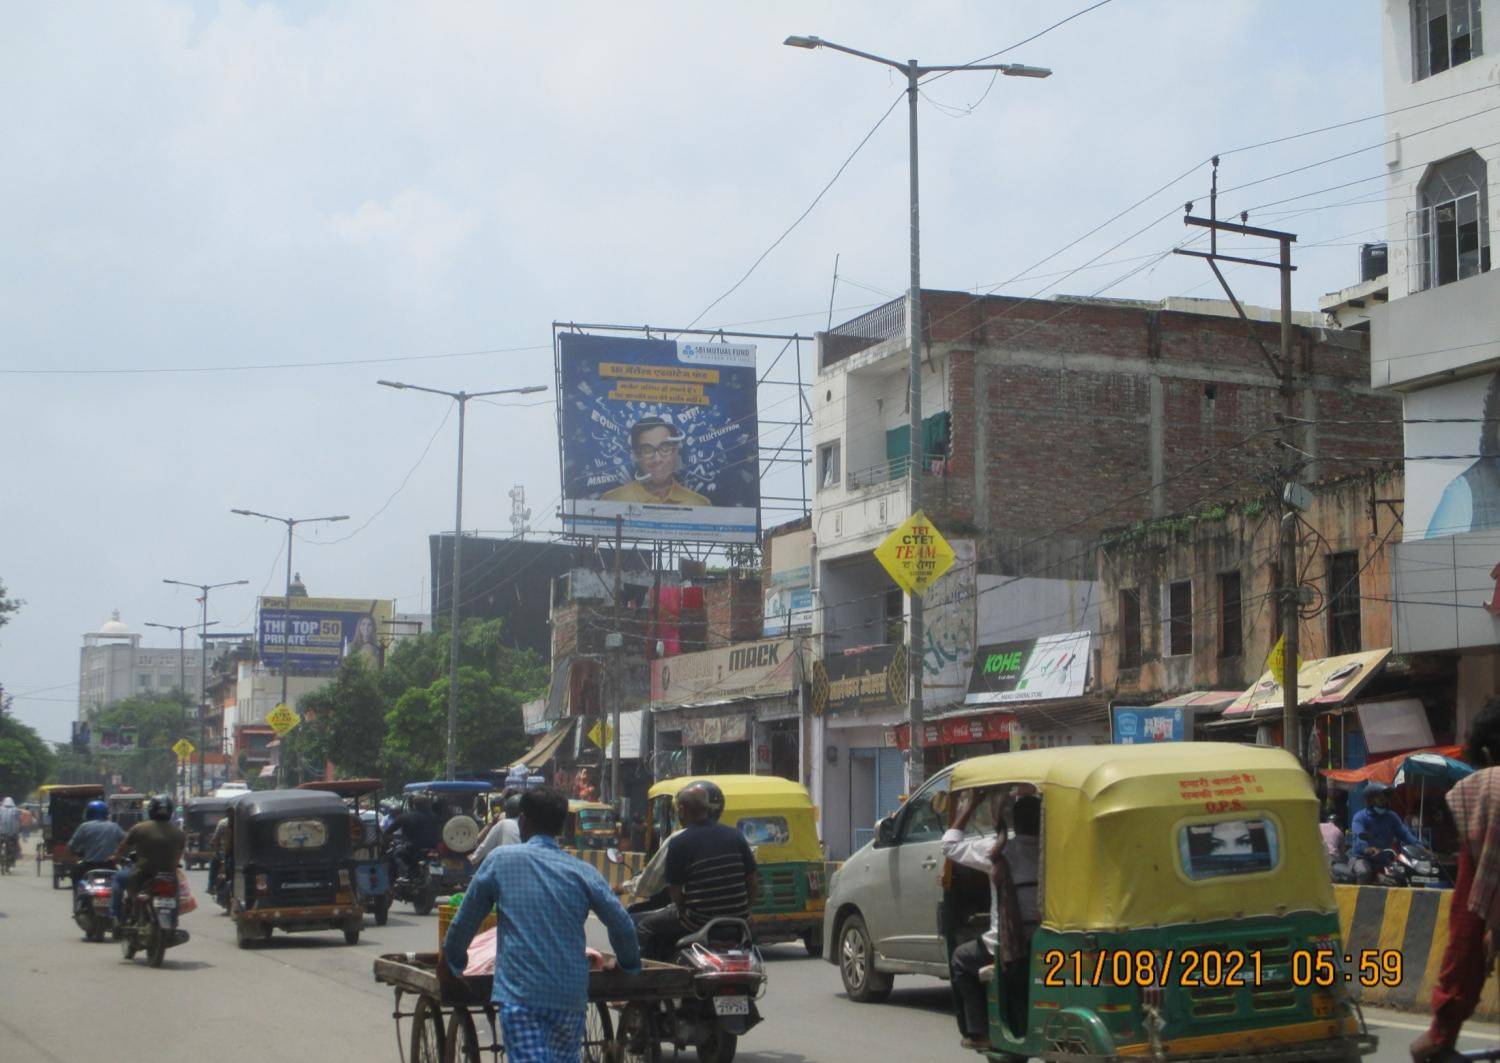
(871, 503)
(1428, 336)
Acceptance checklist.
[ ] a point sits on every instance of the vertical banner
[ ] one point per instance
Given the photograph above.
(661, 434)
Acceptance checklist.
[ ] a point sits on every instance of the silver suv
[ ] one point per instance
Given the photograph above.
(883, 904)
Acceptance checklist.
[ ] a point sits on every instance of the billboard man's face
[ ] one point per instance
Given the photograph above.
(655, 457)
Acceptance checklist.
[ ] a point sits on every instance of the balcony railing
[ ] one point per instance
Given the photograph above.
(886, 322)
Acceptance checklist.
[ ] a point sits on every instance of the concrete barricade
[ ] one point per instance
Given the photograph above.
(615, 874)
(1413, 922)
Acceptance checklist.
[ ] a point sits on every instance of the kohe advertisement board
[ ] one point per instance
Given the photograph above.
(323, 631)
(660, 434)
(1043, 669)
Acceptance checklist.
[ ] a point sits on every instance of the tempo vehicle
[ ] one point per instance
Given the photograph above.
(372, 867)
(779, 820)
(460, 807)
(1182, 913)
(127, 809)
(292, 865)
(64, 806)
(200, 815)
(591, 825)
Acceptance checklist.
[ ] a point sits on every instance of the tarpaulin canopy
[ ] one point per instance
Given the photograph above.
(547, 748)
(1385, 770)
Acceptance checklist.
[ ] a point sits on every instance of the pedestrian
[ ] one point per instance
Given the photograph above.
(10, 828)
(1474, 905)
(544, 898)
(1333, 838)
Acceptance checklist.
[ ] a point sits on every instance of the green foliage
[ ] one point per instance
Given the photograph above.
(25, 760)
(7, 605)
(151, 767)
(344, 721)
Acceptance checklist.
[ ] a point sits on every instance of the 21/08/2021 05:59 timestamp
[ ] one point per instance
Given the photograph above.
(1221, 968)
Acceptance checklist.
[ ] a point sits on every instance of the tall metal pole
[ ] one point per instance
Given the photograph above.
(203, 685)
(182, 692)
(286, 641)
(916, 768)
(617, 687)
(458, 553)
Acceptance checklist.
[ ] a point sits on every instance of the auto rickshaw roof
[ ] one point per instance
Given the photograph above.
(208, 804)
(80, 790)
(289, 803)
(1094, 769)
(578, 805)
(344, 787)
(742, 791)
(126, 799)
(450, 786)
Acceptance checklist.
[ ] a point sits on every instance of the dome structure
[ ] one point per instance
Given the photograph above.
(114, 626)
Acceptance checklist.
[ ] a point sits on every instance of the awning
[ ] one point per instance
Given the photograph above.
(1203, 700)
(1325, 682)
(547, 748)
(1385, 770)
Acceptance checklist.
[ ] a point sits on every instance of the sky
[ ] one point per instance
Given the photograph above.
(194, 189)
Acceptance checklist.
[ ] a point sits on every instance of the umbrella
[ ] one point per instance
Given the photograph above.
(1423, 766)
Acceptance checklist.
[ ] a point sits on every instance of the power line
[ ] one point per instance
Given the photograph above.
(139, 371)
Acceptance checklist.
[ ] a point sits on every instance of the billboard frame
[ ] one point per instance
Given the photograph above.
(770, 455)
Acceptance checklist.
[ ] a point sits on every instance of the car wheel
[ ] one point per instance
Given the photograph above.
(862, 981)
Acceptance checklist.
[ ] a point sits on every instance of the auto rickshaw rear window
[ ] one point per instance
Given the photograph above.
(596, 819)
(302, 834)
(765, 830)
(1229, 847)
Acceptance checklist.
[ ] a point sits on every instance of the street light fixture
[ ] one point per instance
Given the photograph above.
(203, 589)
(286, 602)
(914, 72)
(462, 398)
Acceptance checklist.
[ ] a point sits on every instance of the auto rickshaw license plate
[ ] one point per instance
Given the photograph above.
(731, 1005)
(1322, 1004)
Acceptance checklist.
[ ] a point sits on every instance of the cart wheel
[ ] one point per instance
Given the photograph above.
(635, 1038)
(426, 1032)
(598, 1034)
(462, 1044)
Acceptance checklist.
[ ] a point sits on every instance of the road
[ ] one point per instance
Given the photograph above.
(312, 997)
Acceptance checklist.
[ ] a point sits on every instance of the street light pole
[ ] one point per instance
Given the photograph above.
(203, 589)
(914, 71)
(462, 398)
(286, 607)
(181, 630)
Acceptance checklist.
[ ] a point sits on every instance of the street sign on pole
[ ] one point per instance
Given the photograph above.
(183, 748)
(282, 719)
(915, 554)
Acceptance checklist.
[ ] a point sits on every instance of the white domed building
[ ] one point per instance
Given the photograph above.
(113, 665)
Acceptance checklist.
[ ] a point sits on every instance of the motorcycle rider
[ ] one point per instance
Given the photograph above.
(157, 844)
(10, 827)
(1376, 828)
(95, 841)
(412, 833)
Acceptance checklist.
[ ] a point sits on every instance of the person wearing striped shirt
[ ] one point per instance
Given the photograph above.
(710, 874)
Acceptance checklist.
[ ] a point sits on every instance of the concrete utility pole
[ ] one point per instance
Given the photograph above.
(462, 398)
(1285, 369)
(914, 71)
(203, 589)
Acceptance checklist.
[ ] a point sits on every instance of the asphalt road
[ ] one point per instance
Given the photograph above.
(312, 997)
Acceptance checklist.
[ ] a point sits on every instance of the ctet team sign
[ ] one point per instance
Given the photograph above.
(916, 555)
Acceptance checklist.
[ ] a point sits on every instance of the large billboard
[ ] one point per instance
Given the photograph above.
(1453, 459)
(323, 631)
(661, 435)
(1043, 669)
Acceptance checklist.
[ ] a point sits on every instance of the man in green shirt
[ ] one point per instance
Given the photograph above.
(157, 845)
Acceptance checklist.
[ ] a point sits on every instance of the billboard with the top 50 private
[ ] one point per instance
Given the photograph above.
(660, 435)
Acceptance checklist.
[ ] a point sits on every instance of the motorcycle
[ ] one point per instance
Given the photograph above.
(91, 895)
(150, 923)
(415, 882)
(728, 977)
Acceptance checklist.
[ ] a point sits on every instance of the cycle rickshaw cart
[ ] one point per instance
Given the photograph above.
(458, 1022)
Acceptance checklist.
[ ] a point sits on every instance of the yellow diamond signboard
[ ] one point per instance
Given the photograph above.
(1276, 662)
(282, 719)
(601, 734)
(183, 748)
(915, 554)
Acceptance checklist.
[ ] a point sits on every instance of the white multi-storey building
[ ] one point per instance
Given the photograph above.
(113, 665)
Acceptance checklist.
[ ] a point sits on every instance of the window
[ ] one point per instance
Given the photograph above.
(1343, 603)
(1231, 616)
(1130, 627)
(143, 681)
(1180, 618)
(895, 617)
(922, 821)
(1231, 847)
(302, 834)
(1444, 34)
(830, 462)
(1449, 231)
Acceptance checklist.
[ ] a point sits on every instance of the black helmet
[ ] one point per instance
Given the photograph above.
(712, 794)
(160, 807)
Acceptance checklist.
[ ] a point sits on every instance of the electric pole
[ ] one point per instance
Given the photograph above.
(203, 589)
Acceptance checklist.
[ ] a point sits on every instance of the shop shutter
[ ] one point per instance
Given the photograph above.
(890, 782)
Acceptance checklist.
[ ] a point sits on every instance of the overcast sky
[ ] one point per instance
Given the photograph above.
(190, 187)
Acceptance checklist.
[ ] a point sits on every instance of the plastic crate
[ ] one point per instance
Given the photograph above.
(446, 912)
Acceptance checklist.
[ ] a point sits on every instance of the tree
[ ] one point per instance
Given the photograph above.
(345, 721)
(7, 605)
(25, 760)
(158, 722)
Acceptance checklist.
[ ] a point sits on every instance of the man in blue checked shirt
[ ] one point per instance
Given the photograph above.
(543, 896)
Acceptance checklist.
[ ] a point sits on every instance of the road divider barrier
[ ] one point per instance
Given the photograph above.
(1414, 922)
(615, 874)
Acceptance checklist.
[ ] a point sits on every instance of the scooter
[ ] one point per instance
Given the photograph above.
(728, 977)
(150, 924)
(415, 883)
(91, 903)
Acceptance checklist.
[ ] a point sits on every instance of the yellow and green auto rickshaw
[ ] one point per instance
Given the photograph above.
(779, 820)
(591, 825)
(1184, 901)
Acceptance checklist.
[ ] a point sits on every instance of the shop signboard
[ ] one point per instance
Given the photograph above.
(915, 555)
(787, 609)
(866, 680)
(715, 729)
(660, 435)
(1041, 669)
(959, 730)
(323, 631)
(743, 670)
(1139, 726)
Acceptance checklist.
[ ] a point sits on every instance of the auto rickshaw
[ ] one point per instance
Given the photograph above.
(1185, 907)
(64, 807)
(372, 867)
(200, 815)
(591, 825)
(127, 809)
(460, 806)
(779, 820)
(292, 865)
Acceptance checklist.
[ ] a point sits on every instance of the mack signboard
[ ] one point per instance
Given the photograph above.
(1041, 669)
(323, 631)
(660, 435)
(746, 669)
